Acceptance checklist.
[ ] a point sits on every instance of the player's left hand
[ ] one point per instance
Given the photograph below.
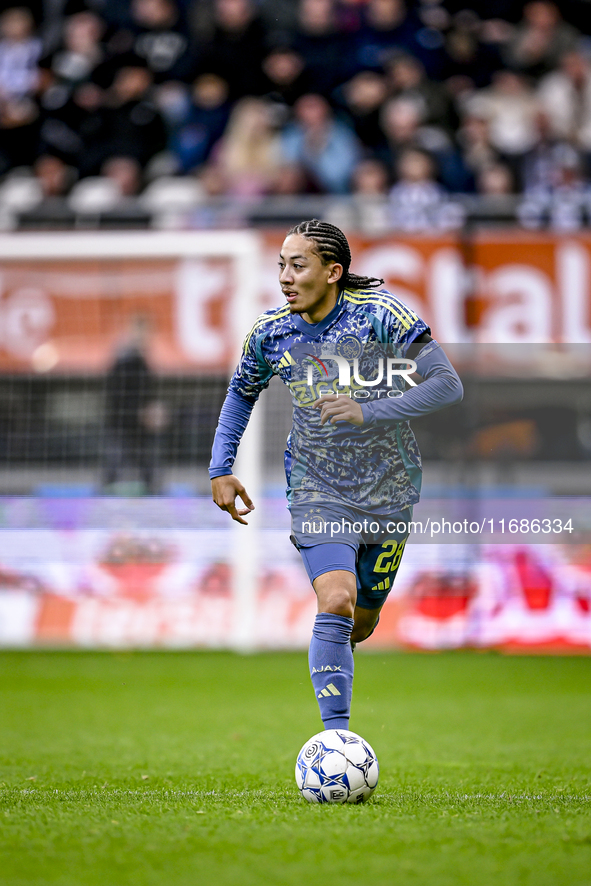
(334, 409)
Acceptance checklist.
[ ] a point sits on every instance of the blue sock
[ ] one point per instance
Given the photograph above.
(331, 668)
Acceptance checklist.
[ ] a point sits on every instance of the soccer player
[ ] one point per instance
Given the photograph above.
(352, 463)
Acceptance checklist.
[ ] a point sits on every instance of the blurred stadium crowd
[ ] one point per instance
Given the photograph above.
(185, 102)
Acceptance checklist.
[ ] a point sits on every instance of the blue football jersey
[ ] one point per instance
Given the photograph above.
(377, 470)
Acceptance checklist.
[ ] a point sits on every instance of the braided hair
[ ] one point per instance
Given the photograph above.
(332, 245)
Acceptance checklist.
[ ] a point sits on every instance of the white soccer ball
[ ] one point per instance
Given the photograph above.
(336, 766)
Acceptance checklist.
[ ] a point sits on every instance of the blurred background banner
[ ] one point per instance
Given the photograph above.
(68, 300)
(484, 286)
(173, 588)
(66, 316)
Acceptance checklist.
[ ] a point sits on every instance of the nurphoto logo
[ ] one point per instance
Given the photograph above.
(394, 367)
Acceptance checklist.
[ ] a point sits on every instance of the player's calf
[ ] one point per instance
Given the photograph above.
(365, 623)
(331, 668)
(331, 657)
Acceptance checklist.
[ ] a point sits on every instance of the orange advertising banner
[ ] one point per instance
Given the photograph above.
(69, 314)
(510, 288)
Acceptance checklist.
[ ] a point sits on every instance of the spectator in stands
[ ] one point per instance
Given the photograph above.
(400, 120)
(417, 202)
(292, 180)
(19, 132)
(161, 38)
(236, 47)
(495, 180)
(540, 40)
(565, 96)
(285, 75)
(510, 108)
(211, 180)
(368, 209)
(370, 179)
(218, 210)
(406, 78)
(542, 167)
(173, 100)
(362, 98)
(126, 172)
(325, 50)
(201, 120)
(326, 148)
(55, 176)
(389, 25)
(19, 55)
(566, 206)
(402, 125)
(249, 153)
(132, 125)
(81, 52)
(469, 63)
(474, 140)
(72, 123)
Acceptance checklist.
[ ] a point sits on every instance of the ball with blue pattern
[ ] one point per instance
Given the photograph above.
(336, 766)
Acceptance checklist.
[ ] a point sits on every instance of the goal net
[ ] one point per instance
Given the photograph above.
(115, 353)
(110, 338)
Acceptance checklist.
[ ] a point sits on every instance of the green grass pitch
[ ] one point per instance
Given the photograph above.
(166, 769)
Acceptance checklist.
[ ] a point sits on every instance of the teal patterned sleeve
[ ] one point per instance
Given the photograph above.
(253, 373)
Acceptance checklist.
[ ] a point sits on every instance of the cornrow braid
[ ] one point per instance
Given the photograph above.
(332, 245)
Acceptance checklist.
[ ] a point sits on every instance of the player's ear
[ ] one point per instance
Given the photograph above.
(336, 272)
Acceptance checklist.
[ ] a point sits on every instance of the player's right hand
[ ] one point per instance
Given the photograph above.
(224, 491)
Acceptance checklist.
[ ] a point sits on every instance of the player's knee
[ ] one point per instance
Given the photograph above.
(338, 601)
(336, 592)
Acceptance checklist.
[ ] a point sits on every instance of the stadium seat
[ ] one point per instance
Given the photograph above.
(169, 197)
(94, 195)
(18, 194)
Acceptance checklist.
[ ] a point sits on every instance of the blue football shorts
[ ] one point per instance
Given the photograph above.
(369, 546)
